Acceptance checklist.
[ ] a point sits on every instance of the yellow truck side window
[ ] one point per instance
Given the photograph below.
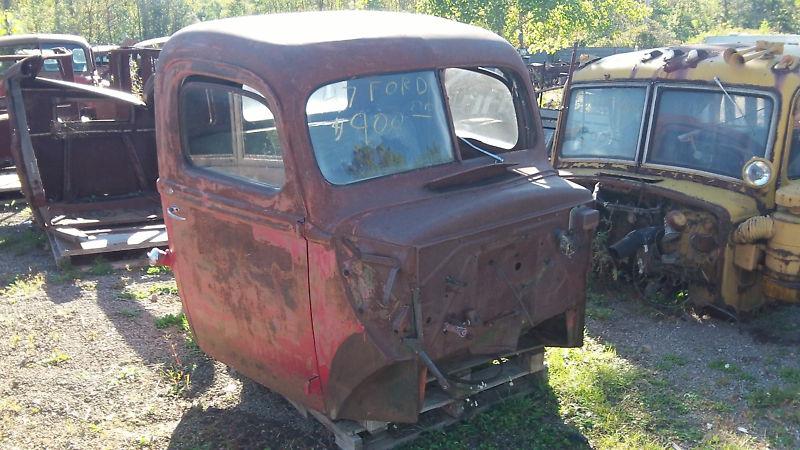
(793, 168)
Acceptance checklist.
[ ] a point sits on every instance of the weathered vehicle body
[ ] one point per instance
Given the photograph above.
(694, 158)
(14, 48)
(83, 63)
(90, 182)
(102, 60)
(338, 229)
(9, 181)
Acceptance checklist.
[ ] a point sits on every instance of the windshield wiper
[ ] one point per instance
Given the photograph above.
(498, 159)
(725, 91)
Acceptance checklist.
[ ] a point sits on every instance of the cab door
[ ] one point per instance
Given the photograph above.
(233, 220)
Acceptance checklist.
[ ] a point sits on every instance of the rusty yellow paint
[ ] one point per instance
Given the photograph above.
(766, 267)
(738, 205)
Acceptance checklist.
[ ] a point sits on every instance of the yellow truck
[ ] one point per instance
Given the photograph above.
(693, 153)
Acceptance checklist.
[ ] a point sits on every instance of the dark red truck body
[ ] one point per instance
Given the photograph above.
(358, 300)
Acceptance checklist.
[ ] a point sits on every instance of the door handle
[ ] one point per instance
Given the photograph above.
(172, 212)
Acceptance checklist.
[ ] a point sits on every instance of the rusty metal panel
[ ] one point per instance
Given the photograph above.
(90, 182)
(353, 301)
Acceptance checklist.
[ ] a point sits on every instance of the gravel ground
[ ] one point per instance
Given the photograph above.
(94, 359)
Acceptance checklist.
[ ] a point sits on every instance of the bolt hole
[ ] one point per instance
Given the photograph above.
(518, 266)
(346, 272)
(428, 320)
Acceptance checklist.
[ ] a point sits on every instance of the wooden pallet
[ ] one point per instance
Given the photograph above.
(518, 375)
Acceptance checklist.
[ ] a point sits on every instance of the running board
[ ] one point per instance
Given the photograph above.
(67, 242)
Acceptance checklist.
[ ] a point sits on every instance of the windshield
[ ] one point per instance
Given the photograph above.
(482, 108)
(79, 64)
(604, 123)
(378, 125)
(709, 131)
(10, 50)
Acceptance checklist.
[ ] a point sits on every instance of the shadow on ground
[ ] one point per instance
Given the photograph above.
(261, 419)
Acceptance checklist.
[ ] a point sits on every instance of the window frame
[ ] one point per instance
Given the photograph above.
(768, 151)
(641, 140)
(788, 150)
(456, 151)
(512, 84)
(524, 121)
(231, 87)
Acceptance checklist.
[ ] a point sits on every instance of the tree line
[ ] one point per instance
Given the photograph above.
(537, 25)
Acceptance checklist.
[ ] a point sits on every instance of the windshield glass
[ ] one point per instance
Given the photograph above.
(10, 50)
(378, 125)
(482, 108)
(78, 57)
(604, 123)
(709, 130)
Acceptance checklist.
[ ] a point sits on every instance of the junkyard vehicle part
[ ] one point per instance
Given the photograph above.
(90, 183)
(102, 62)
(362, 218)
(82, 56)
(693, 166)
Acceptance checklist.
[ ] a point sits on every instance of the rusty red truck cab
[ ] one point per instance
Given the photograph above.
(361, 211)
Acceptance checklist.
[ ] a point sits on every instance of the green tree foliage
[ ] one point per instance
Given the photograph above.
(534, 24)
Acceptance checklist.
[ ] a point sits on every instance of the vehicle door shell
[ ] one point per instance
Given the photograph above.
(242, 261)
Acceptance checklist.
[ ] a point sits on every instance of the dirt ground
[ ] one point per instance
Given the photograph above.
(100, 358)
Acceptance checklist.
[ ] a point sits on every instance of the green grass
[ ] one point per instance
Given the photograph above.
(170, 320)
(100, 267)
(790, 375)
(592, 392)
(22, 242)
(730, 369)
(157, 270)
(671, 361)
(597, 307)
(130, 313)
(139, 293)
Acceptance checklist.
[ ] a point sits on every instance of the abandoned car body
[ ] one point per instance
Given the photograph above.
(360, 218)
(693, 153)
(82, 57)
(90, 183)
(14, 48)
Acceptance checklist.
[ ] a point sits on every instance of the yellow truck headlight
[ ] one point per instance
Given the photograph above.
(757, 172)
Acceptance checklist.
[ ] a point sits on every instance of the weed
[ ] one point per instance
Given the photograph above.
(774, 396)
(170, 320)
(178, 378)
(157, 270)
(127, 294)
(670, 361)
(596, 306)
(23, 285)
(128, 374)
(731, 370)
(100, 267)
(604, 267)
(56, 357)
(23, 242)
(130, 313)
(790, 375)
(67, 273)
(157, 289)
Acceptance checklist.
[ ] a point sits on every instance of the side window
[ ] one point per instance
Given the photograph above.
(793, 167)
(482, 108)
(231, 131)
